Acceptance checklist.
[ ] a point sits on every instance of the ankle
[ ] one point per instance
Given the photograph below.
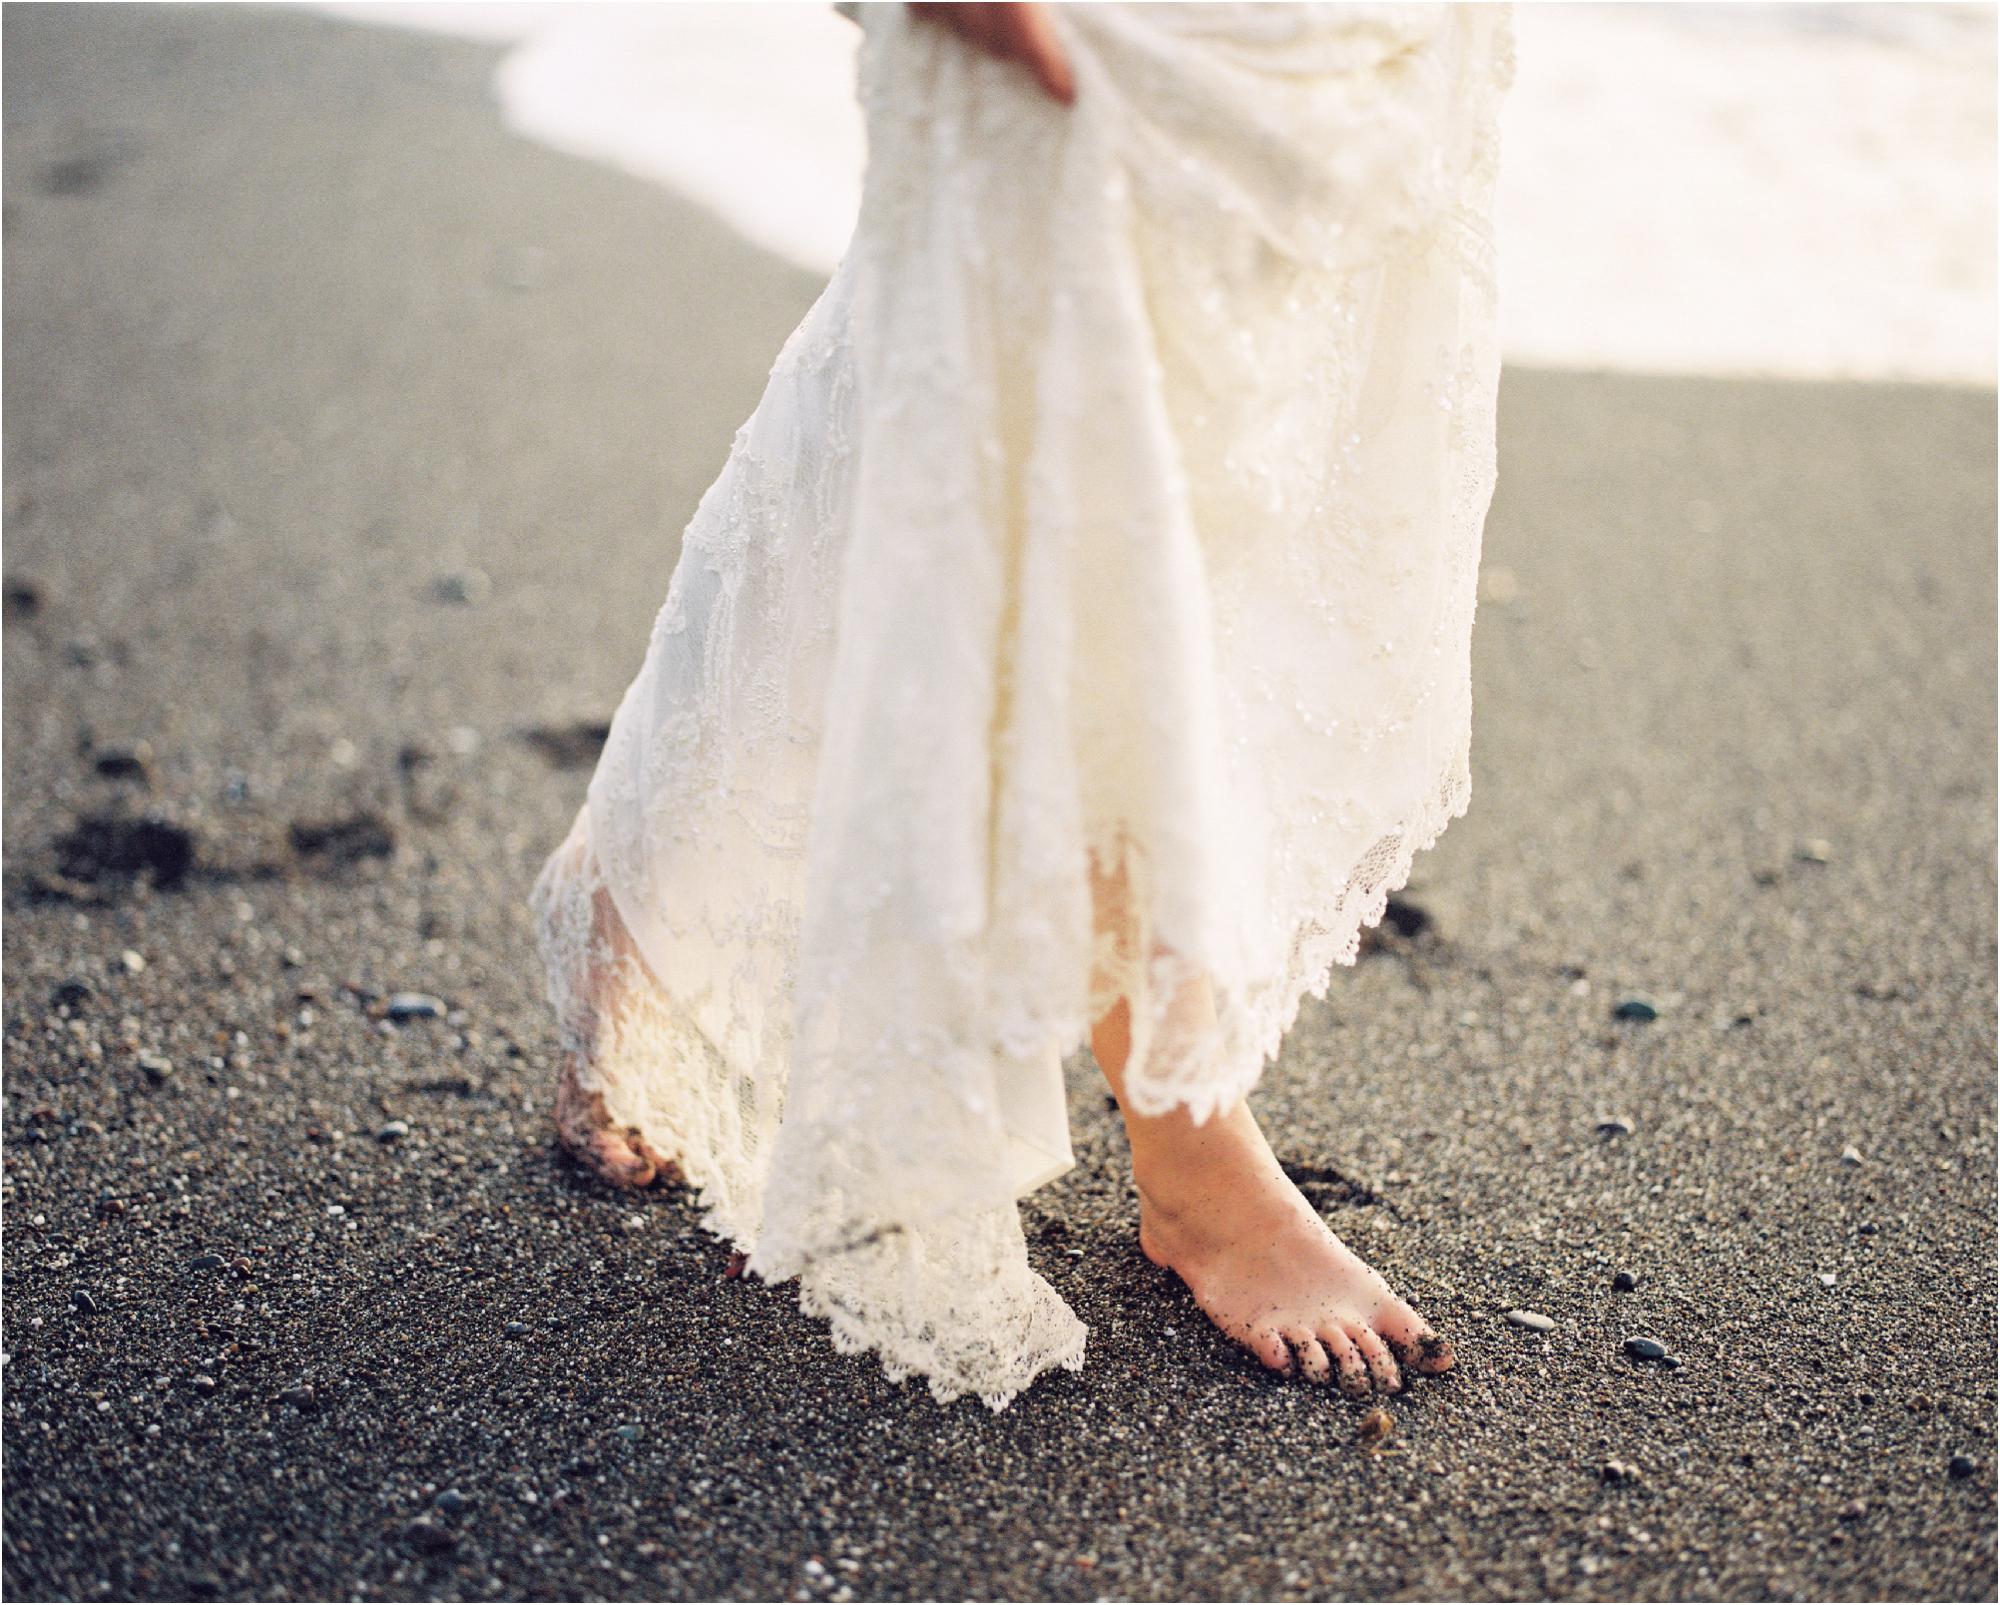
(1179, 1166)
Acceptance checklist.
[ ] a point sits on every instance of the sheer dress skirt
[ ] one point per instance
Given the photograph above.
(1084, 613)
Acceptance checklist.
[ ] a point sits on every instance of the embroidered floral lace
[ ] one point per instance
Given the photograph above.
(1084, 613)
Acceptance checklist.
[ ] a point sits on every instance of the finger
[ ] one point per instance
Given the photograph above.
(1037, 44)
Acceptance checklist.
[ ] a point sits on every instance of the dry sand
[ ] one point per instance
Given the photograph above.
(302, 347)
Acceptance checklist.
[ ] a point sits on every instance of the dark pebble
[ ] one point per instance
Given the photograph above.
(517, 1329)
(70, 994)
(466, 588)
(1635, 1009)
(451, 1502)
(206, 1262)
(1963, 1466)
(125, 763)
(345, 840)
(1624, 1281)
(414, 1006)
(1614, 1128)
(1405, 918)
(81, 1301)
(1645, 1348)
(109, 846)
(629, 1433)
(204, 1385)
(569, 746)
(301, 1399)
(428, 1536)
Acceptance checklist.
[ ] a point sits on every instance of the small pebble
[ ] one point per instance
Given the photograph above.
(1815, 850)
(1614, 1128)
(394, 1131)
(1850, 1156)
(1376, 1425)
(1624, 1281)
(429, 1537)
(1962, 1466)
(157, 1067)
(451, 1502)
(1854, 1510)
(414, 1006)
(466, 588)
(81, 1301)
(302, 1398)
(1645, 1348)
(133, 960)
(70, 993)
(1618, 1471)
(204, 1385)
(206, 1262)
(1828, 1278)
(1533, 1320)
(1636, 1008)
(126, 763)
(517, 1329)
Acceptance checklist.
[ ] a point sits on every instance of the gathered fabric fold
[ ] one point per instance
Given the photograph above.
(1083, 616)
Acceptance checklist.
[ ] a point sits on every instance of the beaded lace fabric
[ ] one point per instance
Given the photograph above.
(1084, 613)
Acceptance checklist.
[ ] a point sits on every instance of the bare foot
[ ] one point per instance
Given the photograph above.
(1218, 1210)
(619, 1154)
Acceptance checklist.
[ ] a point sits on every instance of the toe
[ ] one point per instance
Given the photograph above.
(1411, 1339)
(664, 1169)
(1269, 1346)
(618, 1156)
(1312, 1358)
(606, 1153)
(1434, 1356)
(1354, 1377)
(616, 1161)
(1381, 1363)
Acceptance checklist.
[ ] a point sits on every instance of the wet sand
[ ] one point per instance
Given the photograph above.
(348, 439)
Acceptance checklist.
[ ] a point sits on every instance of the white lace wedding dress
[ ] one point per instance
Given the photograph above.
(1119, 503)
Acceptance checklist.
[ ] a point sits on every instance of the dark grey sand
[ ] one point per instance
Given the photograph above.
(295, 334)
